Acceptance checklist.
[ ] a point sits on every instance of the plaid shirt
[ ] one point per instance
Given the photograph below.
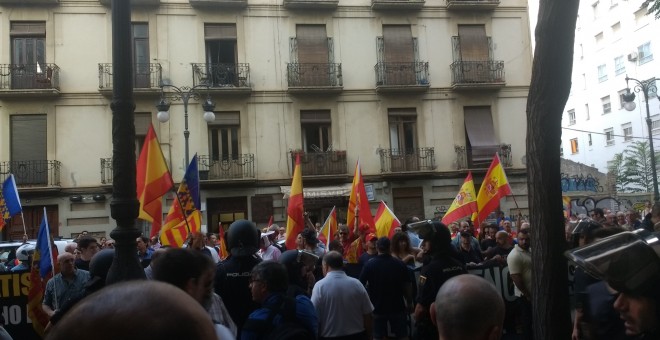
(219, 313)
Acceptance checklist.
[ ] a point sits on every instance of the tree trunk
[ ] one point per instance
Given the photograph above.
(549, 90)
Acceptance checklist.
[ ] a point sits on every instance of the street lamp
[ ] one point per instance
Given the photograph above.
(184, 93)
(644, 86)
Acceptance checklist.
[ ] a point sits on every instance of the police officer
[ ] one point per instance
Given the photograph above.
(232, 279)
(443, 266)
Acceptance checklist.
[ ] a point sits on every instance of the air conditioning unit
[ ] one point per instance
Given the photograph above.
(632, 56)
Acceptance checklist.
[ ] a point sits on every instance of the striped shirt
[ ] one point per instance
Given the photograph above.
(59, 290)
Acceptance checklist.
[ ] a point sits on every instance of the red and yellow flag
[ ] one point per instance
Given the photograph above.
(385, 221)
(153, 180)
(184, 207)
(295, 222)
(465, 202)
(329, 228)
(494, 187)
(224, 253)
(358, 198)
(175, 232)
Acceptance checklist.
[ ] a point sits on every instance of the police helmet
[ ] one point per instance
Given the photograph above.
(25, 251)
(242, 238)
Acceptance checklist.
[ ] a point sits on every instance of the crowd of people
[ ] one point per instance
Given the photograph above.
(354, 286)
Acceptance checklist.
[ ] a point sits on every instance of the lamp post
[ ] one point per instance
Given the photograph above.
(184, 93)
(644, 86)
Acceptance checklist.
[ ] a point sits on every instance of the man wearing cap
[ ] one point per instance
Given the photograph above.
(389, 283)
(310, 242)
(68, 284)
(266, 250)
(371, 251)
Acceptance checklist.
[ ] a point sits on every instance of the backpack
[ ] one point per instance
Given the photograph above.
(288, 329)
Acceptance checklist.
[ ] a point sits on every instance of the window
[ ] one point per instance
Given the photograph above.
(595, 9)
(571, 117)
(627, 132)
(224, 136)
(644, 53)
(316, 130)
(480, 142)
(586, 110)
(621, 101)
(221, 55)
(141, 61)
(311, 54)
(609, 136)
(590, 141)
(28, 51)
(599, 38)
(574, 146)
(616, 30)
(619, 65)
(29, 146)
(640, 16)
(602, 73)
(655, 125)
(403, 139)
(142, 121)
(397, 53)
(607, 106)
(561, 150)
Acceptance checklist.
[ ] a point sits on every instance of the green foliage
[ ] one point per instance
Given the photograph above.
(632, 168)
(653, 7)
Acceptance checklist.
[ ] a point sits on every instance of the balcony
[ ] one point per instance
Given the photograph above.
(320, 163)
(402, 77)
(238, 4)
(477, 75)
(32, 174)
(314, 78)
(29, 80)
(411, 160)
(397, 4)
(106, 170)
(146, 79)
(472, 5)
(230, 79)
(480, 158)
(134, 2)
(311, 4)
(229, 168)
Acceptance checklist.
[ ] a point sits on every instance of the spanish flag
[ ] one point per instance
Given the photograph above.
(465, 202)
(329, 228)
(223, 244)
(358, 198)
(185, 207)
(295, 222)
(386, 221)
(153, 180)
(494, 187)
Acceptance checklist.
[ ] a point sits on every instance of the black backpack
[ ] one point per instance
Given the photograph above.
(288, 329)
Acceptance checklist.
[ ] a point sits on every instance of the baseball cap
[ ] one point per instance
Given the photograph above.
(371, 236)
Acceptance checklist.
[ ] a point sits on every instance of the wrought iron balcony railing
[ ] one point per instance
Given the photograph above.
(145, 76)
(314, 75)
(227, 167)
(320, 163)
(401, 74)
(419, 159)
(37, 173)
(472, 4)
(29, 77)
(481, 157)
(477, 72)
(221, 75)
(106, 170)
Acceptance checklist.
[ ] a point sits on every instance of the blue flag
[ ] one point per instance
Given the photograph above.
(10, 204)
(192, 181)
(44, 248)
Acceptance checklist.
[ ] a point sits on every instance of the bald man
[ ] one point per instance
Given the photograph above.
(460, 302)
(116, 313)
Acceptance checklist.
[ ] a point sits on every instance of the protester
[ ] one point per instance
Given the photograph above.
(267, 251)
(520, 268)
(300, 266)
(148, 272)
(371, 251)
(68, 284)
(115, 313)
(402, 249)
(143, 251)
(470, 256)
(413, 238)
(87, 246)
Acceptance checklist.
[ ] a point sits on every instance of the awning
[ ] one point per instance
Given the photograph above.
(317, 192)
(479, 126)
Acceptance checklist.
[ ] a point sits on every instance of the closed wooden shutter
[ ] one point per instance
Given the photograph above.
(312, 44)
(315, 117)
(142, 121)
(28, 28)
(398, 44)
(219, 31)
(474, 43)
(481, 135)
(28, 137)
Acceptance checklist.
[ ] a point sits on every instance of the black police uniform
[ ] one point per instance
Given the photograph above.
(433, 275)
(232, 283)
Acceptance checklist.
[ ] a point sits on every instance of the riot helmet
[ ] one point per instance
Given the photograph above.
(434, 232)
(242, 238)
(25, 251)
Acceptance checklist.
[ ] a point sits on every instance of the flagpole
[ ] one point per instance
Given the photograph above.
(327, 239)
(185, 217)
(50, 255)
(23, 219)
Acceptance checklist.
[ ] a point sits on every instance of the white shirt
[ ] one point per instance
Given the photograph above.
(271, 253)
(341, 303)
(520, 262)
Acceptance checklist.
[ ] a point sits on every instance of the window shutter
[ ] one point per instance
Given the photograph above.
(474, 43)
(315, 116)
(312, 44)
(398, 44)
(142, 121)
(220, 31)
(28, 28)
(28, 137)
(227, 118)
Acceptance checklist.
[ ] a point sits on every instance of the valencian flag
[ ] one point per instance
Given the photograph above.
(385, 221)
(44, 266)
(566, 204)
(223, 244)
(494, 187)
(153, 180)
(465, 203)
(295, 223)
(10, 204)
(175, 229)
(329, 229)
(358, 198)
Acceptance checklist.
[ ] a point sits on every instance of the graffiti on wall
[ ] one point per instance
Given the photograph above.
(580, 183)
(583, 206)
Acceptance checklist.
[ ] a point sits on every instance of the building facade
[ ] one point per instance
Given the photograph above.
(613, 39)
(418, 91)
